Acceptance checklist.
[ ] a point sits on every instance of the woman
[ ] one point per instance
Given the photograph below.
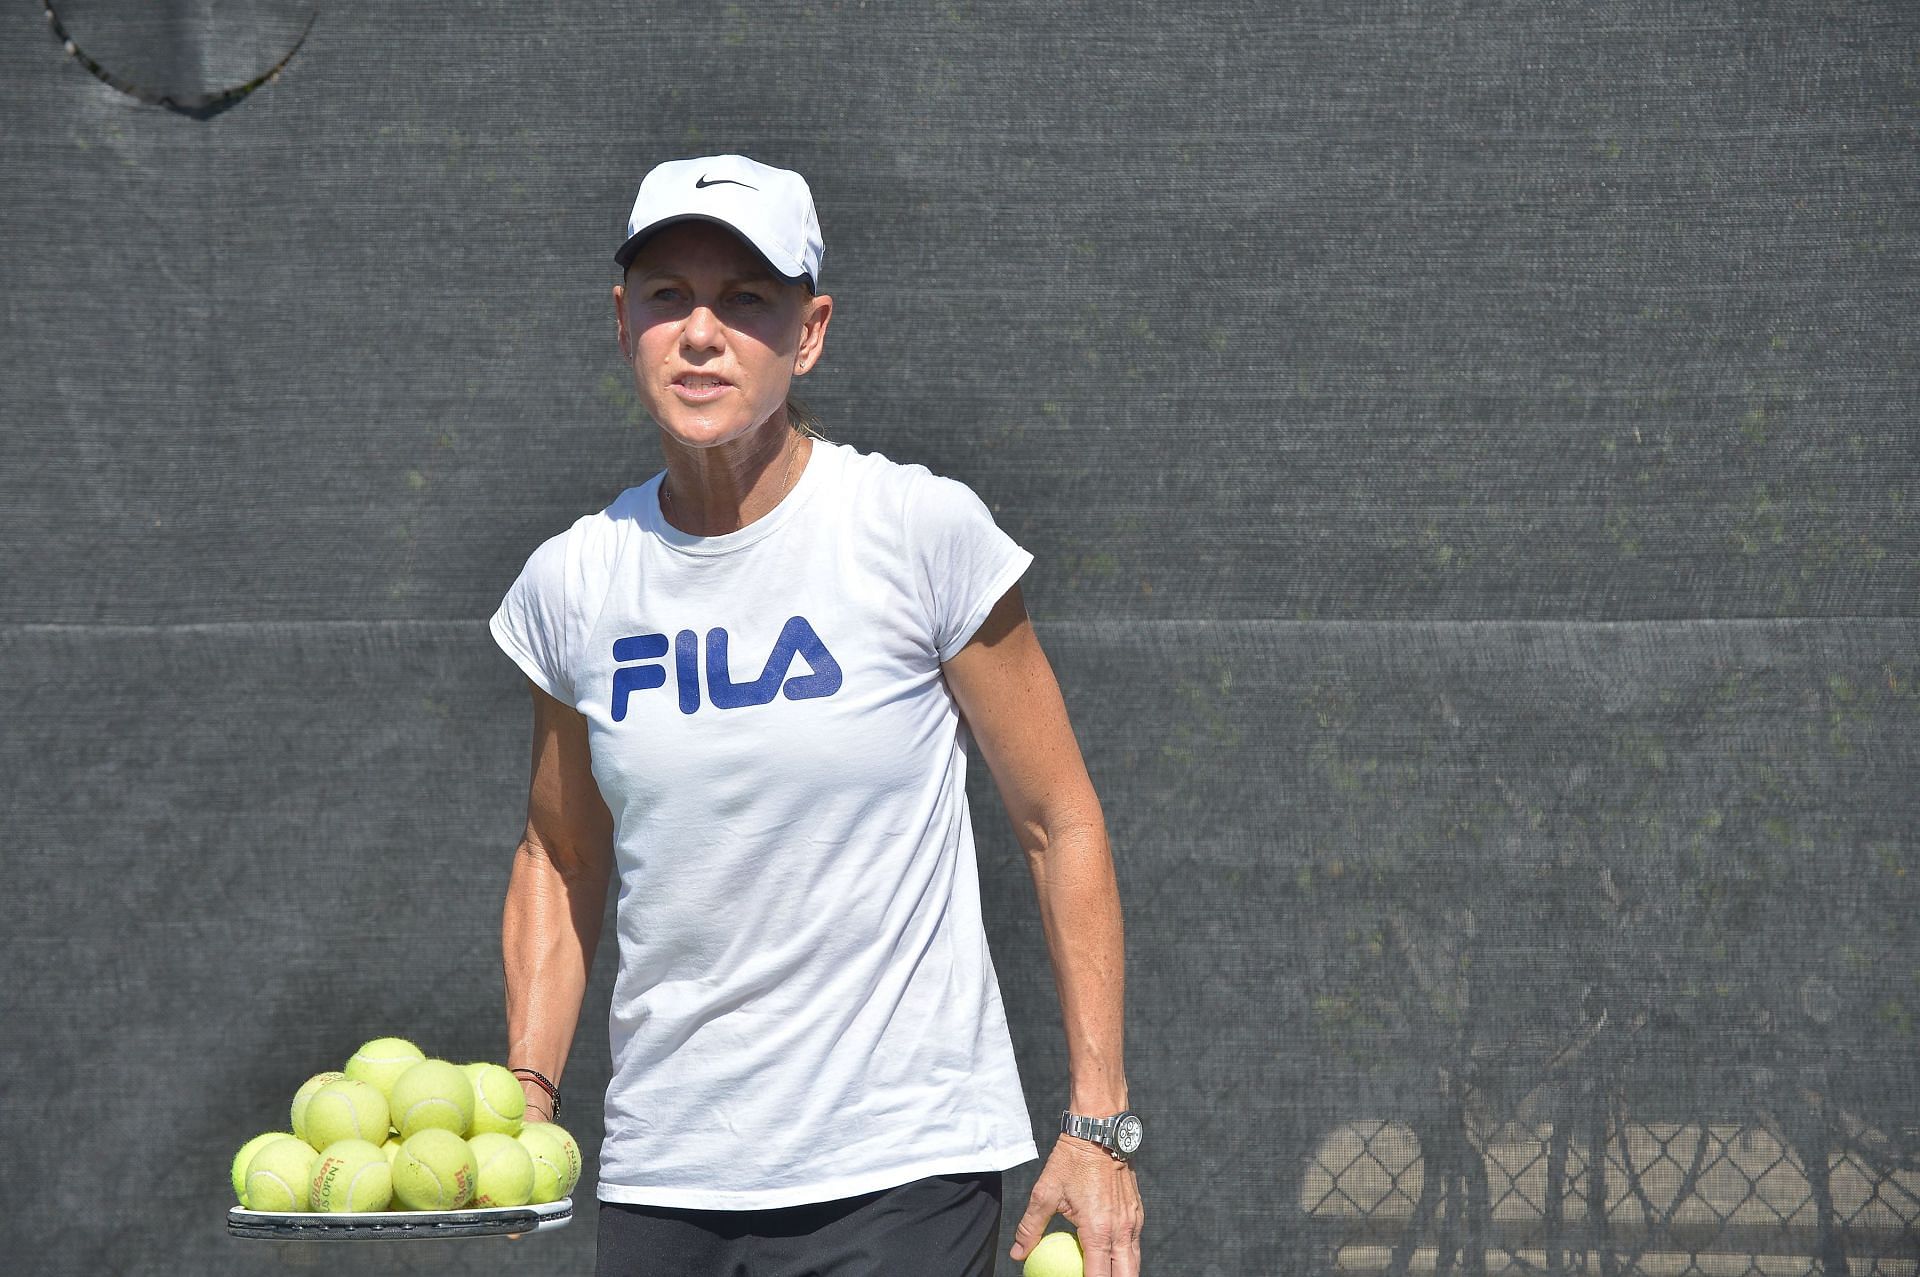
(749, 677)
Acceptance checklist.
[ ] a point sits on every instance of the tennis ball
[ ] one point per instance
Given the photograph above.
(346, 1110)
(433, 1171)
(350, 1175)
(1057, 1255)
(244, 1158)
(433, 1095)
(279, 1176)
(503, 1170)
(300, 1097)
(556, 1160)
(498, 1100)
(381, 1062)
(391, 1148)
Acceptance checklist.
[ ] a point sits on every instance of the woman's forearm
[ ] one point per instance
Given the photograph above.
(548, 932)
(1080, 913)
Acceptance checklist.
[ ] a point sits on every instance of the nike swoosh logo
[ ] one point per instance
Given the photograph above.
(704, 182)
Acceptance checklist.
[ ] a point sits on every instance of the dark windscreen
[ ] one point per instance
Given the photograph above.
(1469, 455)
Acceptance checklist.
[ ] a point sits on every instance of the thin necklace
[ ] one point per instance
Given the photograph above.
(786, 479)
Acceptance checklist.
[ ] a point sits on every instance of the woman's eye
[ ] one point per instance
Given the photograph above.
(746, 299)
(666, 294)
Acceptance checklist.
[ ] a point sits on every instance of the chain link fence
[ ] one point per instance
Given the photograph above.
(1617, 1195)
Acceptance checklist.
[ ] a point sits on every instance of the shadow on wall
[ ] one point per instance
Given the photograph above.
(169, 53)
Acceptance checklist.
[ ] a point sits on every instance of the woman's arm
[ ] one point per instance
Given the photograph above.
(555, 897)
(1007, 692)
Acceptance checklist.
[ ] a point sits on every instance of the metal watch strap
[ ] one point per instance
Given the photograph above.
(1099, 1130)
(1120, 1134)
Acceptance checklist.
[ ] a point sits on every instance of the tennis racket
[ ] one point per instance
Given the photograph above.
(397, 1225)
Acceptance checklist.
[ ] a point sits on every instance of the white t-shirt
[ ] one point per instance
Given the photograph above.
(805, 1007)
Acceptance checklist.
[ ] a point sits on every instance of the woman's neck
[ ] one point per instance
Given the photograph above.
(713, 491)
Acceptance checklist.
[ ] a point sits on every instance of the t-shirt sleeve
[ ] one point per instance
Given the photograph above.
(531, 624)
(965, 561)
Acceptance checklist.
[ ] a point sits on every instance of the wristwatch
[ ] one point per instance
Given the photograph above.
(1120, 1134)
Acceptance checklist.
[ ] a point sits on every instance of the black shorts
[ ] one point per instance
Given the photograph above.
(945, 1226)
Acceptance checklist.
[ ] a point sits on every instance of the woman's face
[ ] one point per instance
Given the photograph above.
(713, 339)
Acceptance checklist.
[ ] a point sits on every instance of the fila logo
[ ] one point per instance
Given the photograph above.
(643, 668)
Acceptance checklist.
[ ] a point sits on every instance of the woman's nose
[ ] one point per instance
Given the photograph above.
(702, 329)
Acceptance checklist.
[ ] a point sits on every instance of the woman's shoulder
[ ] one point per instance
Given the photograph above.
(906, 481)
(597, 535)
(911, 501)
(627, 509)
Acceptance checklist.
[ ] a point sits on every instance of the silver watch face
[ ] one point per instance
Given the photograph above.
(1127, 1136)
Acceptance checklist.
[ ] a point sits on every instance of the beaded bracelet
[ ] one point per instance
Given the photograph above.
(541, 1080)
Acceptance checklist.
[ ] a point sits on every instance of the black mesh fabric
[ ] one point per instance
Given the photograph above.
(1469, 453)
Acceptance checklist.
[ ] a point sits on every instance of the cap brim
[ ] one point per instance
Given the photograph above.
(624, 254)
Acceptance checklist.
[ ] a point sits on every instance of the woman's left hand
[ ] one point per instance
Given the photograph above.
(1097, 1192)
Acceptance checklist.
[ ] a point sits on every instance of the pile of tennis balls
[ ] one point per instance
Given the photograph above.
(396, 1130)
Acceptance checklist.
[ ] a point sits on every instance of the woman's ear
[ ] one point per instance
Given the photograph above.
(813, 333)
(620, 322)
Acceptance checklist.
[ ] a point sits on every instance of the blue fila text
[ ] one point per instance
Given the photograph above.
(643, 667)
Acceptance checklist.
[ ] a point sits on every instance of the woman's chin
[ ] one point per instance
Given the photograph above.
(699, 430)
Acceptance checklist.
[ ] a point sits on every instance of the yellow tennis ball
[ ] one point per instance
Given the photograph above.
(391, 1148)
(346, 1110)
(503, 1170)
(556, 1160)
(351, 1175)
(498, 1100)
(298, 1115)
(1057, 1255)
(433, 1171)
(244, 1158)
(279, 1176)
(381, 1062)
(433, 1095)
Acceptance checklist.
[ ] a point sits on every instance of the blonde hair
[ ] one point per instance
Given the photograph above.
(803, 420)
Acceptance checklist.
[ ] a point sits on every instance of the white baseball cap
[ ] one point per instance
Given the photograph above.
(771, 208)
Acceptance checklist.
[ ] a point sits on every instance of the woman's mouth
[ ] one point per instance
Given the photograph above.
(697, 388)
